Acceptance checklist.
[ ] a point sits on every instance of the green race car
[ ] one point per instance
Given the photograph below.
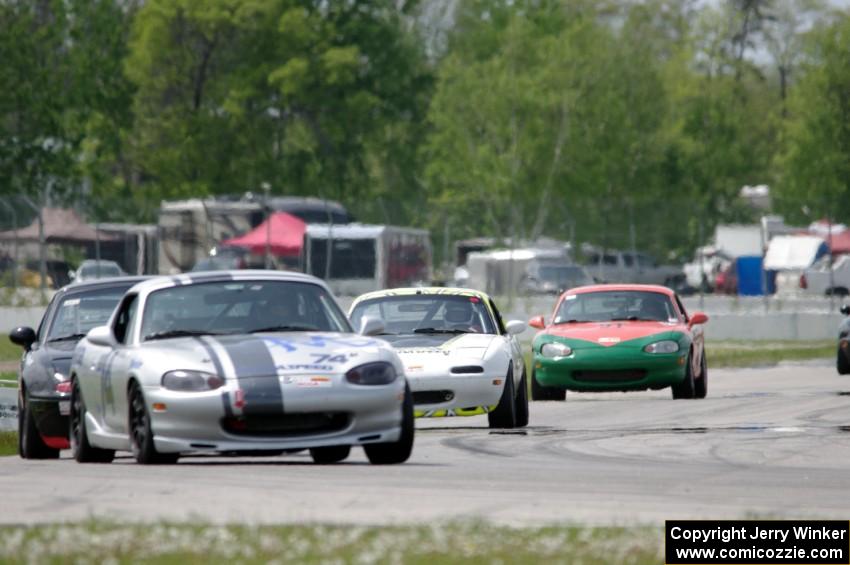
(619, 338)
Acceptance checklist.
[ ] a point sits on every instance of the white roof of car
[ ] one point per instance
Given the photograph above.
(232, 275)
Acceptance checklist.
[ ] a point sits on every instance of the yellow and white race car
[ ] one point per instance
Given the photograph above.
(459, 356)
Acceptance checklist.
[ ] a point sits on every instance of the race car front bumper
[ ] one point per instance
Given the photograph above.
(468, 395)
(51, 418)
(339, 414)
(602, 370)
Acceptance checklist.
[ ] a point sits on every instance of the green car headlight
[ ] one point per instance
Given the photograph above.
(555, 350)
(666, 346)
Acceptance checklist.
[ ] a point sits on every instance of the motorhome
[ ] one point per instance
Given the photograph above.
(190, 229)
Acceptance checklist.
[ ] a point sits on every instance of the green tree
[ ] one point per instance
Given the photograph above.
(315, 98)
(37, 142)
(815, 161)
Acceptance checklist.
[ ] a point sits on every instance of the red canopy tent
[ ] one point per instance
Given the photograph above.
(284, 232)
(839, 243)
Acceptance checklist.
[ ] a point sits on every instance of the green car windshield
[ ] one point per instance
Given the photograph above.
(619, 305)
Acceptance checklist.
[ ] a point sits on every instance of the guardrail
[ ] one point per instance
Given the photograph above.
(731, 317)
(8, 409)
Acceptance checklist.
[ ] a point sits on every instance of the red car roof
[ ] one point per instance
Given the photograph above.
(609, 287)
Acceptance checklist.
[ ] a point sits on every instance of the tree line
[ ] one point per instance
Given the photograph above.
(614, 122)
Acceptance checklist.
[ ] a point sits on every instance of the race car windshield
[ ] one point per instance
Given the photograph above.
(234, 307)
(79, 312)
(427, 313)
(610, 306)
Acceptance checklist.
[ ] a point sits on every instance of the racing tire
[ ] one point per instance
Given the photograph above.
(329, 454)
(842, 364)
(81, 449)
(141, 435)
(686, 388)
(701, 384)
(30, 444)
(540, 392)
(504, 416)
(521, 410)
(399, 451)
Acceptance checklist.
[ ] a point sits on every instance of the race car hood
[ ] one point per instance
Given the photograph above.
(268, 354)
(469, 345)
(60, 353)
(612, 333)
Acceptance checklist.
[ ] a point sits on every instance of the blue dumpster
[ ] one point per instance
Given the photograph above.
(748, 269)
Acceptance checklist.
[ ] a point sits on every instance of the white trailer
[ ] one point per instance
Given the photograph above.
(367, 257)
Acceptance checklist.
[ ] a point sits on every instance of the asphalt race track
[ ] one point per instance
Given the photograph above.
(772, 442)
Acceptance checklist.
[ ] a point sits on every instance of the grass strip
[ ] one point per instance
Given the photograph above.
(8, 379)
(755, 353)
(8, 350)
(453, 542)
(8, 446)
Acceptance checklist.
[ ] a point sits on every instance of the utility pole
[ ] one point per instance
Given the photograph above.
(42, 243)
(12, 211)
(447, 263)
(831, 269)
(701, 253)
(329, 242)
(267, 255)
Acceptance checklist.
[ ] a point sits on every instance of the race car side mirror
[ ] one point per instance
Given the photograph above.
(845, 309)
(101, 335)
(698, 318)
(371, 326)
(537, 322)
(515, 327)
(23, 336)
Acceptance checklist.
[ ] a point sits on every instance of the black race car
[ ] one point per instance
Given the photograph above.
(43, 385)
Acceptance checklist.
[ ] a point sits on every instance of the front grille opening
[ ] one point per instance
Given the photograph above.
(467, 369)
(432, 396)
(614, 376)
(286, 425)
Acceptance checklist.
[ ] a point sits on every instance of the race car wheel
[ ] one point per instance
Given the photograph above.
(522, 402)
(30, 444)
(685, 389)
(701, 384)
(141, 435)
(397, 451)
(81, 449)
(330, 454)
(504, 416)
(540, 392)
(841, 363)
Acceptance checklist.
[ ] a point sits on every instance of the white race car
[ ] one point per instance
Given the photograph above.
(461, 359)
(240, 361)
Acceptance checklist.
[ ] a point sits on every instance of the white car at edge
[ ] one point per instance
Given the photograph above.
(238, 361)
(460, 358)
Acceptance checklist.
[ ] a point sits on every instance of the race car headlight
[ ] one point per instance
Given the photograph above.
(666, 346)
(372, 374)
(191, 381)
(555, 350)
